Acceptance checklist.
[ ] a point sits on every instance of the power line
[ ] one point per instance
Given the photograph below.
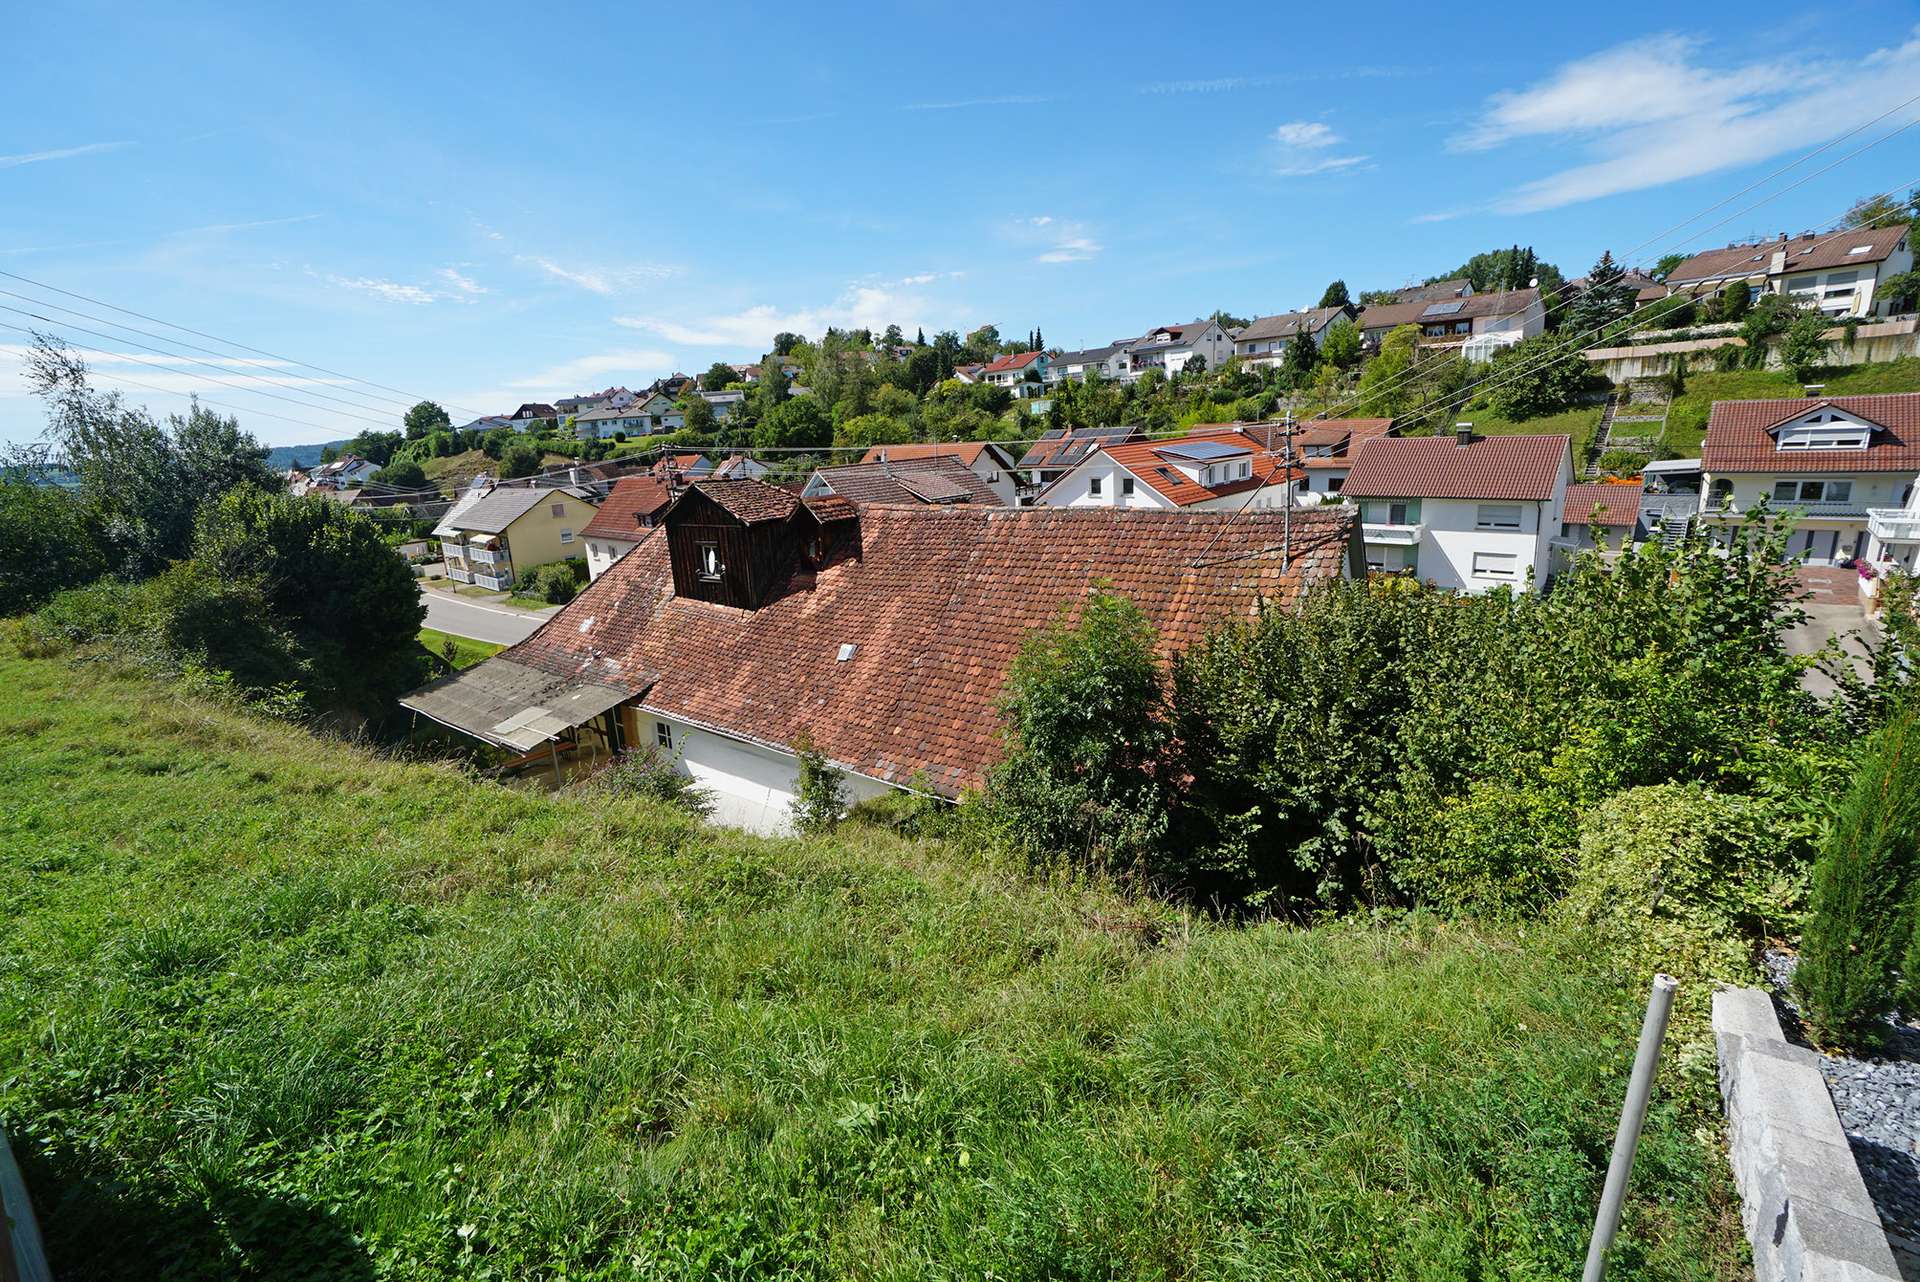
(257, 351)
(177, 361)
(175, 342)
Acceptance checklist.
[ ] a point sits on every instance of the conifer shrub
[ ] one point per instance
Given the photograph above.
(1861, 914)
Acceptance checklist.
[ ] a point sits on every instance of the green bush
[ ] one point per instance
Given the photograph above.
(50, 540)
(820, 795)
(1687, 879)
(1499, 851)
(1857, 931)
(1621, 462)
(644, 772)
(556, 582)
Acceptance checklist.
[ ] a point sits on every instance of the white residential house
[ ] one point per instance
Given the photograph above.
(1220, 469)
(1022, 373)
(1113, 362)
(1464, 512)
(1478, 324)
(1837, 272)
(1844, 465)
(343, 472)
(725, 404)
(608, 422)
(661, 413)
(632, 508)
(1170, 348)
(1264, 341)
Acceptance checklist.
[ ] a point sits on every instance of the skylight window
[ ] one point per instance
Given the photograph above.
(1861, 249)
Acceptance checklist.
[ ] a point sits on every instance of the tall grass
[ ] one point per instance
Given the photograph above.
(273, 1007)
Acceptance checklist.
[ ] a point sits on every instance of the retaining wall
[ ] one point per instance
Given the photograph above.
(1802, 1201)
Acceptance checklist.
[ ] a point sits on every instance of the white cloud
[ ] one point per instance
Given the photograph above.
(1300, 149)
(1649, 112)
(751, 330)
(1006, 100)
(1221, 84)
(392, 291)
(216, 229)
(599, 280)
(465, 284)
(1059, 240)
(639, 364)
(1071, 249)
(61, 153)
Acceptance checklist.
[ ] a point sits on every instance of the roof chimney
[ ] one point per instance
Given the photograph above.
(1463, 433)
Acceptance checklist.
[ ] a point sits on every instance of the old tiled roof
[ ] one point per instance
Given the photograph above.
(1437, 291)
(1063, 447)
(967, 452)
(505, 504)
(1439, 467)
(749, 500)
(1320, 442)
(1510, 302)
(935, 608)
(1738, 438)
(1019, 360)
(1804, 253)
(831, 507)
(1611, 505)
(627, 508)
(938, 478)
(1287, 324)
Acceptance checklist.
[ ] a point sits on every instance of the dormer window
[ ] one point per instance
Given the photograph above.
(1824, 430)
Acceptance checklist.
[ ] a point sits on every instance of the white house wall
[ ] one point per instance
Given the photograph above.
(753, 787)
(1075, 489)
(602, 553)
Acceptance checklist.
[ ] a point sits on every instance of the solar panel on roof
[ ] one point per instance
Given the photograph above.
(1443, 309)
(1201, 450)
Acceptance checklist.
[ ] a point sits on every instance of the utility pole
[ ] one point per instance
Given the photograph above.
(1286, 491)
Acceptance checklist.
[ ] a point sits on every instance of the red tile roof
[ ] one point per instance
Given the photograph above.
(1063, 447)
(1739, 438)
(1319, 443)
(1161, 472)
(628, 509)
(1616, 504)
(967, 452)
(1439, 467)
(1019, 360)
(935, 607)
(938, 478)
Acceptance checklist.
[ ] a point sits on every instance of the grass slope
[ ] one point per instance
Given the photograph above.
(452, 472)
(1578, 423)
(466, 651)
(274, 1007)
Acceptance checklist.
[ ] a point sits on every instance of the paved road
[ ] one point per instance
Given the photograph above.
(480, 622)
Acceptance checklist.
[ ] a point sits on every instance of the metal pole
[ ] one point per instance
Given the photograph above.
(1606, 1222)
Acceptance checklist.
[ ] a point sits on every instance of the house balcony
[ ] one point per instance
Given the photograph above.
(459, 573)
(1824, 511)
(485, 556)
(1894, 524)
(494, 582)
(1391, 535)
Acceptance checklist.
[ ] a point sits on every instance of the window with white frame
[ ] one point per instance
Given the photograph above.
(1497, 516)
(1824, 432)
(710, 561)
(566, 536)
(1496, 565)
(1812, 491)
(1126, 485)
(1093, 486)
(663, 736)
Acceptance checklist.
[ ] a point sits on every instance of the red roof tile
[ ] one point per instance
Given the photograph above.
(1149, 461)
(752, 501)
(967, 452)
(628, 509)
(1739, 438)
(1320, 442)
(1018, 360)
(935, 607)
(938, 478)
(1616, 505)
(1439, 467)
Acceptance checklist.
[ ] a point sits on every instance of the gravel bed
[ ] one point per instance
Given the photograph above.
(1878, 1101)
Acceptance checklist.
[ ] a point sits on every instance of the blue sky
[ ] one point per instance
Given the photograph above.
(490, 204)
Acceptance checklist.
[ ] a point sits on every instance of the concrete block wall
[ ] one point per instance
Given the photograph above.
(1802, 1201)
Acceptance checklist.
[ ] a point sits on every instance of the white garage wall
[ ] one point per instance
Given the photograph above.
(753, 787)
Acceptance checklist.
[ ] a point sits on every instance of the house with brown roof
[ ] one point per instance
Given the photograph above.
(1478, 324)
(494, 537)
(987, 460)
(634, 506)
(1264, 341)
(1021, 373)
(929, 478)
(1171, 348)
(1837, 273)
(1611, 508)
(1464, 512)
(883, 634)
(1844, 465)
(1060, 448)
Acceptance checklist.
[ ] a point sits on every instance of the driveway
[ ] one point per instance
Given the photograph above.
(1832, 604)
(502, 625)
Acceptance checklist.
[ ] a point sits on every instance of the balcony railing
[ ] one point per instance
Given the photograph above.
(483, 556)
(1391, 535)
(1894, 524)
(1846, 507)
(458, 574)
(497, 583)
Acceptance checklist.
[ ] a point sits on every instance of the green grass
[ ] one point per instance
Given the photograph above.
(452, 472)
(273, 1006)
(1579, 423)
(1687, 424)
(466, 651)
